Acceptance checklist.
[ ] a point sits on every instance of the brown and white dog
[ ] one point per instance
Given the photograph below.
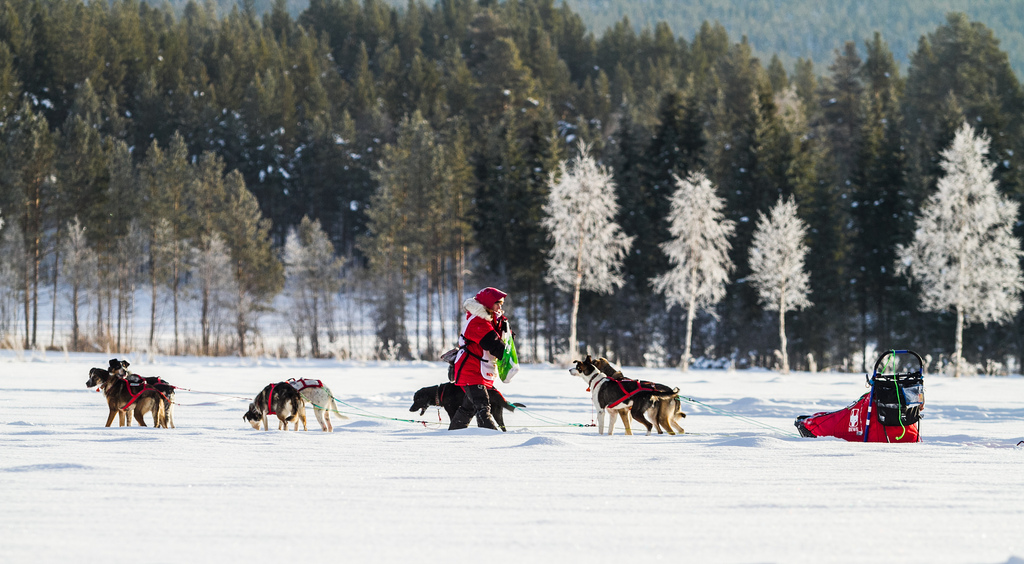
(616, 395)
(279, 399)
(120, 368)
(125, 404)
(319, 396)
(666, 410)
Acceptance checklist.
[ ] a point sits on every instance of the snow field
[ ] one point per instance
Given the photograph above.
(378, 490)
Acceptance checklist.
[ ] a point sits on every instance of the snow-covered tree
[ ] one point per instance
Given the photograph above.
(699, 251)
(312, 280)
(215, 286)
(124, 274)
(964, 255)
(167, 268)
(80, 265)
(12, 277)
(777, 265)
(587, 245)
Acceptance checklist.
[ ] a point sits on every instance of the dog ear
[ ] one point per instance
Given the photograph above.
(125, 364)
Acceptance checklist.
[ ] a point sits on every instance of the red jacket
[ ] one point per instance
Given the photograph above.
(474, 365)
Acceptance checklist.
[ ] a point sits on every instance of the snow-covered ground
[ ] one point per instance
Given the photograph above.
(383, 490)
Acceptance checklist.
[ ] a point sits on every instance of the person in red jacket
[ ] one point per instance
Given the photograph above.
(480, 344)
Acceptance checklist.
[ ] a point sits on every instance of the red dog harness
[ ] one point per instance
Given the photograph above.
(640, 387)
(270, 400)
(143, 386)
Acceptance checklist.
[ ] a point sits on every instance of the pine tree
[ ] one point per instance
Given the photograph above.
(10, 86)
(675, 150)
(81, 175)
(587, 245)
(880, 202)
(111, 233)
(402, 238)
(960, 69)
(698, 251)
(168, 179)
(777, 265)
(258, 273)
(964, 255)
(841, 98)
(806, 84)
(28, 183)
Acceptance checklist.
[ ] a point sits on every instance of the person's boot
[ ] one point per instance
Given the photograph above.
(460, 420)
(484, 419)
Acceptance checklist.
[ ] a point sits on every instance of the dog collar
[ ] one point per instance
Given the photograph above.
(590, 383)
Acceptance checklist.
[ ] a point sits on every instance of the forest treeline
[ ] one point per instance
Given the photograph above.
(790, 28)
(190, 153)
(810, 28)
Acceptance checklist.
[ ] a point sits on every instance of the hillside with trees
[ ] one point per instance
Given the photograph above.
(791, 29)
(204, 158)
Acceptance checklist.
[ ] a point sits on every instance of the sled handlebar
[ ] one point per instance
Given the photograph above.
(884, 355)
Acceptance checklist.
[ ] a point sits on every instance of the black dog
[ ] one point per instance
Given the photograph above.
(449, 396)
(279, 399)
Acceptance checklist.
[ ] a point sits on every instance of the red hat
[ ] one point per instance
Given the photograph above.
(489, 296)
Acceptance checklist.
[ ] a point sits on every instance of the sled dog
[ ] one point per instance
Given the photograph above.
(614, 394)
(320, 397)
(666, 410)
(279, 399)
(126, 405)
(449, 396)
(120, 369)
(661, 412)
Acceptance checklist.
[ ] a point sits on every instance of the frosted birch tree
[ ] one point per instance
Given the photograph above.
(698, 251)
(12, 276)
(964, 255)
(587, 245)
(313, 279)
(214, 288)
(777, 265)
(129, 260)
(80, 265)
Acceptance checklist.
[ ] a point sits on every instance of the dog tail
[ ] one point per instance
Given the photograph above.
(334, 410)
(664, 394)
(514, 405)
(160, 416)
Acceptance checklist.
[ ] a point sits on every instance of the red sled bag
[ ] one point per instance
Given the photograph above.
(889, 413)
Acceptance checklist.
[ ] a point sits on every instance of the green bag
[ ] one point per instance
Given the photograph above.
(508, 364)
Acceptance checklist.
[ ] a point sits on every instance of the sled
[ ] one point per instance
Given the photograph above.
(889, 413)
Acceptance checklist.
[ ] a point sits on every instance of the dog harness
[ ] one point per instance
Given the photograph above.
(304, 383)
(143, 386)
(270, 400)
(640, 387)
